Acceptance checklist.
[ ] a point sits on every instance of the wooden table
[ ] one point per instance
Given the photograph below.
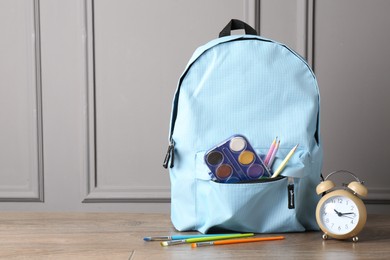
(120, 236)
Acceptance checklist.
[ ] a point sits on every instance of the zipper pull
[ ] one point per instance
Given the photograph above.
(170, 153)
(290, 193)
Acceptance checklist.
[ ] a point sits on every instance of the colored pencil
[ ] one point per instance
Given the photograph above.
(284, 162)
(236, 241)
(202, 239)
(271, 149)
(271, 161)
(179, 237)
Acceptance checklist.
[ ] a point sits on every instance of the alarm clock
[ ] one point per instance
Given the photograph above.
(340, 213)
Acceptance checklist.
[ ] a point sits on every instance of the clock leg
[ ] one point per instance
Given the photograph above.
(355, 239)
(324, 236)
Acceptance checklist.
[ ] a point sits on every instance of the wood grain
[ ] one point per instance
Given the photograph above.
(120, 236)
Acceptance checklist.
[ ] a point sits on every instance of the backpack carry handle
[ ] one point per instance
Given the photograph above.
(235, 24)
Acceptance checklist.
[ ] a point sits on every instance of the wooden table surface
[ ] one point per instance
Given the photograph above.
(120, 236)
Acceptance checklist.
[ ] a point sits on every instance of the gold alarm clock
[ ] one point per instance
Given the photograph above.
(340, 213)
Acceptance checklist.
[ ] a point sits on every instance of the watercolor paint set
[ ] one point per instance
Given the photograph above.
(235, 160)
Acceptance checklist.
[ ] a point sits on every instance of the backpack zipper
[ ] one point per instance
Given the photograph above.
(290, 187)
(290, 193)
(170, 155)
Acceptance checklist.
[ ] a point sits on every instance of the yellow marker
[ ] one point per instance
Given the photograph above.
(283, 164)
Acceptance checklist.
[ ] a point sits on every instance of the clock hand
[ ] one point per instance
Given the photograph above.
(343, 214)
(338, 213)
(347, 213)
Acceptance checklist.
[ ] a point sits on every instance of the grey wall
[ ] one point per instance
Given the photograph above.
(86, 89)
(346, 44)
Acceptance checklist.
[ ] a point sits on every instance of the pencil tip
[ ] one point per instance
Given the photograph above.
(193, 245)
(165, 243)
(147, 238)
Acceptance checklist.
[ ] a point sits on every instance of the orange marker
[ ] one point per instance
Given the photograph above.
(235, 241)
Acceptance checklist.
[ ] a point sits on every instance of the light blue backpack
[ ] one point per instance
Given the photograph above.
(258, 88)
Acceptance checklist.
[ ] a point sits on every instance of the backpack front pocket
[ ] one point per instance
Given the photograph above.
(264, 206)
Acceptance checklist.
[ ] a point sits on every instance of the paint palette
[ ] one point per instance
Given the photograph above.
(235, 160)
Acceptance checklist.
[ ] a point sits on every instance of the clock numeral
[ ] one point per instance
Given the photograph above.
(346, 226)
(352, 221)
(340, 200)
(352, 207)
(332, 225)
(327, 220)
(339, 228)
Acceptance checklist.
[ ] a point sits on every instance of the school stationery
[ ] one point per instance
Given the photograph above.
(202, 239)
(235, 241)
(235, 160)
(284, 162)
(270, 152)
(180, 237)
(257, 87)
(273, 156)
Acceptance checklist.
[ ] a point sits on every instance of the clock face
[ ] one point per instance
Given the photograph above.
(339, 215)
